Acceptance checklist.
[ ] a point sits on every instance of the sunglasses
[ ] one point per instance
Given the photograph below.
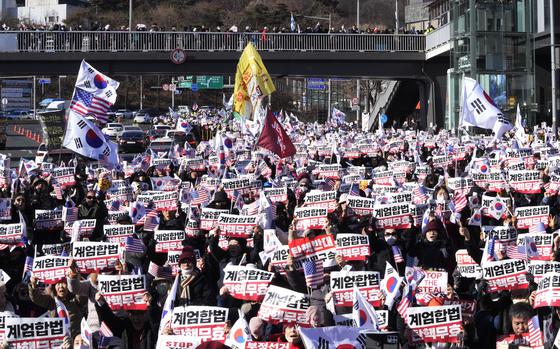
(90, 197)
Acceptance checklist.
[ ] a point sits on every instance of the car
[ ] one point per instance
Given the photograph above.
(154, 134)
(124, 113)
(162, 144)
(19, 115)
(130, 128)
(142, 117)
(177, 136)
(112, 129)
(134, 141)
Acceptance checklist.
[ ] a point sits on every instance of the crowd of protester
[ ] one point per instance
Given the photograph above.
(317, 28)
(427, 244)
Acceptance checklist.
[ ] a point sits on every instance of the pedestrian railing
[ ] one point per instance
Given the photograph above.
(101, 41)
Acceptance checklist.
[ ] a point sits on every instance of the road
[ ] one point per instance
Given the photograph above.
(24, 137)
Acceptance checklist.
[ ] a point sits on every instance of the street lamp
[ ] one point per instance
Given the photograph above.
(129, 15)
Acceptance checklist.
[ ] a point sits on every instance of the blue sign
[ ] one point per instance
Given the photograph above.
(44, 81)
(194, 87)
(316, 84)
(384, 119)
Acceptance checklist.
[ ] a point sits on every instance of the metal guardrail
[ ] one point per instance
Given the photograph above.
(99, 41)
(438, 37)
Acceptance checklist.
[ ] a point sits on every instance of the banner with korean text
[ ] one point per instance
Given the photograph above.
(367, 282)
(247, 283)
(321, 247)
(26, 333)
(236, 226)
(203, 322)
(93, 257)
(123, 291)
(281, 305)
(353, 247)
(436, 324)
(505, 275)
(50, 269)
(169, 240)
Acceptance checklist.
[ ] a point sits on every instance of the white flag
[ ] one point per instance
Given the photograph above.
(100, 85)
(167, 313)
(479, 110)
(519, 130)
(239, 334)
(363, 313)
(85, 138)
(333, 337)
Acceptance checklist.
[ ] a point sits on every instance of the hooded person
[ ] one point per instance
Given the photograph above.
(194, 287)
(220, 201)
(433, 250)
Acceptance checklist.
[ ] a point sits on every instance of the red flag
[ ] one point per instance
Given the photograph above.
(274, 138)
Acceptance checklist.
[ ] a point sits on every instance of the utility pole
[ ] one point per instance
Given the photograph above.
(129, 15)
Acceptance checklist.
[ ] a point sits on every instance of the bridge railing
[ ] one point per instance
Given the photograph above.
(98, 41)
(438, 38)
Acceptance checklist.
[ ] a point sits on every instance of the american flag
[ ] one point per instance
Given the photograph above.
(199, 197)
(133, 245)
(535, 334)
(405, 302)
(164, 272)
(85, 103)
(397, 254)
(354, 190)
(460, 201)
(57, 191)
(105, 335)
(328, 184)
(420, 196)
(69, 212)
(514, 251)
(151, 220)
(314, 273)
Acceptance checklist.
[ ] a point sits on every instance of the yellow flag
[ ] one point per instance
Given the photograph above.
(252, 81)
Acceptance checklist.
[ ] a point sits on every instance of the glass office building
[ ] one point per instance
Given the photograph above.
(493, 44)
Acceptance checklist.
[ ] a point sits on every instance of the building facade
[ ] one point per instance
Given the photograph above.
(46, 12)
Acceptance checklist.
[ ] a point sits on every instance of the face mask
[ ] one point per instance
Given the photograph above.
(390, 240)
(186, 272)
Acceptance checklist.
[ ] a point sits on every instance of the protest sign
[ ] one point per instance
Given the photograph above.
(548, 291)
(505, 275)
(310, 218)
(209, 217)
(353, 247)
(31, 333)
(118, 233)
(466, 266)
(361, 206)
(64, 176)
(247, 283)
(11, 234)
(203, 322)
(325, 199)
(433, 282)
(367, 282)
(525, 182)
(177, 342)
(436, 324)
(48, 220)
(50, 269)
(83, 228)
(123, 291)
(236, 226)
(169, 240)
(392, 216)
(529, 216)
(539, 268)
(93, 257)
(281, 305)
(543, 242)
(321, 248)
(276, 194)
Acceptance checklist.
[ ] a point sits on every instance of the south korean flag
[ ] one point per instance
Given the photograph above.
(100, 85)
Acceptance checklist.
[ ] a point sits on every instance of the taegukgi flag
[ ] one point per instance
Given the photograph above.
(479, 110)
(100, 85)
(85, 138)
